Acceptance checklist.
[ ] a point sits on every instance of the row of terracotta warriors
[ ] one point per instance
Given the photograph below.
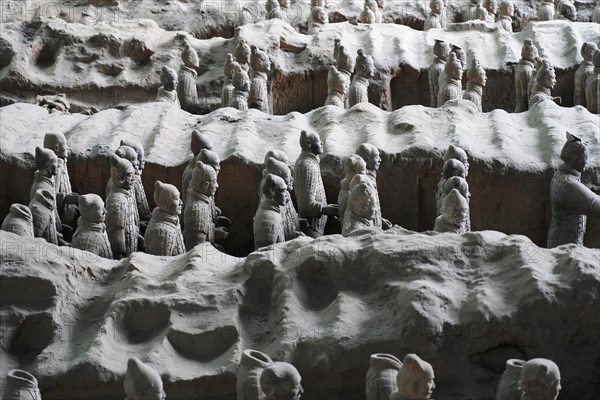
(388, 378)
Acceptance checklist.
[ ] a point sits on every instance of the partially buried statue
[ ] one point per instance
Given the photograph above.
(507, 11)
(66, 199)
(415, 379)
(91, 231)
(367, 16)
(228, 81)
(46, 168)
(491, 7)
(122, 215)
(281, 381)
(476, 81)
(434, 19)
(524, 73)
(353, 165)
(451, 86)
(163, 236)
(241, 88)
(242, 54)
(571, 200)
(42, 208)
(142, 382)
(187, 91)
(459, 183)
(197, 143)
(454, 213)
(540, 380)
(259, 93)
(310, 192)
(364, 70)
(441, 52)
(345, 65)
(336, 86)
(168, 91)
(545, 81)
(361, 209)
(268, 224)
(584, 71)
(592, 87)
(452, 167)
(370, 154)
(18, 221)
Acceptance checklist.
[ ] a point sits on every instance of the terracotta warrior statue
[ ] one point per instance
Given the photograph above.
(361, 209)
(197, 143)
(491, 7)
(592, 87)
(457, 153)
(472, 11)
(46, 165)
(91, 231)
(273, 9)
(452, 167)
(441, 52)
(187, 92)
(344, 63)
(259, 93)
(199, 226)
(570, 199)
(139, 192)
(66, 199)
(310, 192)
(370, 154)
(454, 213)
(353, 165)
(359, 88)
(228, 81)
(336, 85)
(122, 217)
(241, 89)
(281, 381)
(584, 71)
(524, 73)
(268, 223)
(545, 81)
(434, 19)
(566, 10)
(168, 91)
(142, 382)
(163, 236)
(533, 80)
(540, 380)
(291, 223)
(43, 214)
(414, 379)
(451, 87)
(367, 15)
(211, 159)
(242, 54)
(476, 81)
(459, 183)
(18, 221)
(507, 11)
(545, 11)
(318, 17)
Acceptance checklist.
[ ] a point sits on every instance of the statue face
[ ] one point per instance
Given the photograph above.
(549, 80)
(288, 390)
(211, 187)
(62, 149)
(510, 10)
(126, 179)
(96, 214)
(424, 386)
(280, 196)
(374, 161)
(174, 204)
(368, 208)
(569, 12)
(192, 60)
(284, 3)
(51, 167)
(455, 215)
(316, 147)
(481, 78)
(437, 7)
(492, 6)
(456, 72)
(169, 81)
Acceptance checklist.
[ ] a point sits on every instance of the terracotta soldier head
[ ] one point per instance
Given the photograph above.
(436, 6)
(92, 208)
(370, 154)
(491, 6)
(455, 208)
(228, 66)
(211, 158)
(587, 50)
(441, 50)
(46, 162)
(129, 154)
(19, 220)
(142, 382)
(167, 198)
(415, 378)
(58, 144)
(259, 60)
(361, 200)
(567, 10)
(279, 155)
(311, 142)
(476, 74)
(204, 179)
(274, 188)
(459, 183)
(190, 57)
(358, 179)
(320, 15)
(199, 142)
(281, 381)
(529, 51)
(354, 165)
(122, 172)
(241, 80)
(336, 81)
(453, 67)
(139, 150)
(168, 78)
(344, 61)
(458, 154)
(546, 76)
(364, 65)
(242, 52)
(453, 167)
(540, 380)
(575, 153)
(280, 169)
(507, 8)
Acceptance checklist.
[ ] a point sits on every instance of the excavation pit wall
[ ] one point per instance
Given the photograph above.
(511, 165)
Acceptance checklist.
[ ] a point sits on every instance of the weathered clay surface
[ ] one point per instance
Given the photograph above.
(110, 64)
(512, 156)
(466, 303)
